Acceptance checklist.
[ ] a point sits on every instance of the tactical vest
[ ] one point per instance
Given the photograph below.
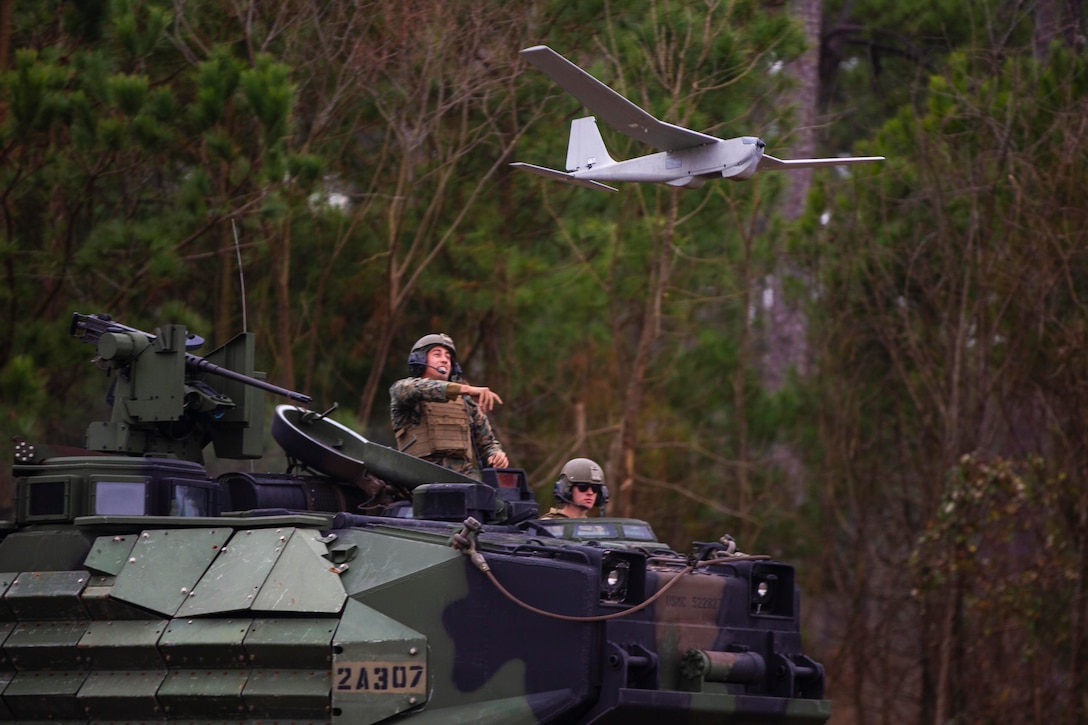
(443, 429)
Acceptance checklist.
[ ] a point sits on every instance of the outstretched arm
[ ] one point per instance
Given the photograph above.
(485, 397)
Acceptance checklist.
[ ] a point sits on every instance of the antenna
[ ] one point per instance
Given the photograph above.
(242, 285)
(241, 274)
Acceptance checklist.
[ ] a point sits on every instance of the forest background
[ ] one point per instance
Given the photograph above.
(879, 375)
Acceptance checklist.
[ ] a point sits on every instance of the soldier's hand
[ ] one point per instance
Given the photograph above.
(498, 460)
(484, 397)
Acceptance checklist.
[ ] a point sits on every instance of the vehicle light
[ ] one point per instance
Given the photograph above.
(613, 581)
(764, 594)
(772, 591)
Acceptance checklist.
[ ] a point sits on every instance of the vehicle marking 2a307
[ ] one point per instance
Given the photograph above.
(380, 677)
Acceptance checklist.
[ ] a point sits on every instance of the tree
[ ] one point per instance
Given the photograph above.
(952, 289)
(655, 265)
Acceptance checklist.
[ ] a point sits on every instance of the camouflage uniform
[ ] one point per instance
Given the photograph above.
(406, 397)
(555, 513)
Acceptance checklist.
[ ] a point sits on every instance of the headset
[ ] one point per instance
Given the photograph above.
(417, 359)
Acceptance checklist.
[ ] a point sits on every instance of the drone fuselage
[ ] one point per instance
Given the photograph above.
(735, 158)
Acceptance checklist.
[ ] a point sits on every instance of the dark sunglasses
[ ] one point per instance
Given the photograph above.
(587, 487)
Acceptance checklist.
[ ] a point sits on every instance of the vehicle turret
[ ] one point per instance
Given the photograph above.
(161, 399)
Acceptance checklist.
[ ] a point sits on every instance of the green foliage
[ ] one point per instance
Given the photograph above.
(84, 20)
(31, 88)
(25, 386)
(948, 278)
(139, 28)
(269, 95)
(305, 169)
(1003, 545)
(128, 93)
(217, 79)
(999, 527)
(93, 71)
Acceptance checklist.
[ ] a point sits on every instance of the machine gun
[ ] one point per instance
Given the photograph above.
(92, 328)
(162, 405)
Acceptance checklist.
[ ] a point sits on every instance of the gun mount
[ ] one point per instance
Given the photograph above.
(162, 403)
(362, 585)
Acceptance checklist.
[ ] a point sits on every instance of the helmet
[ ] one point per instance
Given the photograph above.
(417, 359)
(580, 470)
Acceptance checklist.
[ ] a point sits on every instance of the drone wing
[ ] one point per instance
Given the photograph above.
(562, 176)
(611, 107)
(770, 163)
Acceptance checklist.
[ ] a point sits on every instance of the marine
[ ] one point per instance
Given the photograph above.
(439, 417)
(579, 488)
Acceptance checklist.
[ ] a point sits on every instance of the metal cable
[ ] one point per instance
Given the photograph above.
(481, 564)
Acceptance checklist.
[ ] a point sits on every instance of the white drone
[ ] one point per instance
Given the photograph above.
(688, 158)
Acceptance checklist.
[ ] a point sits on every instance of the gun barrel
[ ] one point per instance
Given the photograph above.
(194, 362)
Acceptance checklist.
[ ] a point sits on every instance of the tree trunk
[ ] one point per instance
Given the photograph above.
(394, 280)
(806, 72)
(1078, 678)
(786, 329)
(623, 455)
(5, 35)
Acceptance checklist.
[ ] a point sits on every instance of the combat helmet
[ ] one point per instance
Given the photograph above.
(580, 470)
(417, 358)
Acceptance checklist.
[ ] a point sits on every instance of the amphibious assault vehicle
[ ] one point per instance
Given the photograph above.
(361, 585)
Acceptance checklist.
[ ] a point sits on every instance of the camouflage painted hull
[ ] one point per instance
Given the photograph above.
(315, 618)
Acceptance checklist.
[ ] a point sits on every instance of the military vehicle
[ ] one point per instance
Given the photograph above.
(361, 585)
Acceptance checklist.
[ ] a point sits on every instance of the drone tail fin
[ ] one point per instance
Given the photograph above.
(586, 148)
